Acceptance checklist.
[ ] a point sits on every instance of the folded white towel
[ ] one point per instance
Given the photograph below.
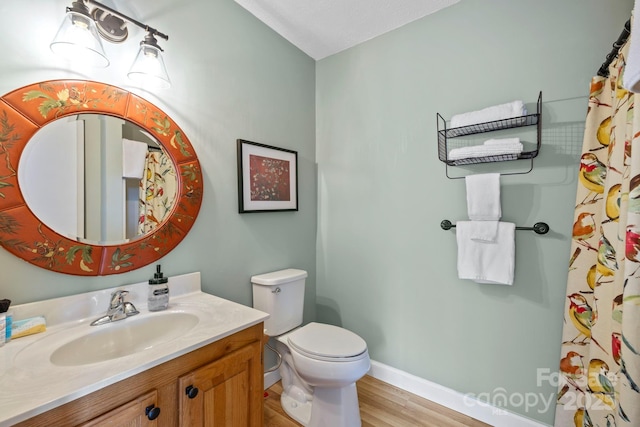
(499, 142)
(483, 151)
(134, 154)
(489, 114)
(484, 231)
(486, 262)
(491, 147)
(483, 197)
(631, 77)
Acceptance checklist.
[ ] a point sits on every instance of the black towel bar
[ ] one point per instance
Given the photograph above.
(538, 227)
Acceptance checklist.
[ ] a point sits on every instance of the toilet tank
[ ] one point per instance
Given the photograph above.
(281, 294)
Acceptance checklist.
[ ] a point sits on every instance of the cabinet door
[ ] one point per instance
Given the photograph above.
(130, 414)
(227, 392)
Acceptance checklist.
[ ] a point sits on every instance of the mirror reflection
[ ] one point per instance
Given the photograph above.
(97, 179)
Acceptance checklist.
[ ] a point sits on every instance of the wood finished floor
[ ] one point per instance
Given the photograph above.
(381, 405)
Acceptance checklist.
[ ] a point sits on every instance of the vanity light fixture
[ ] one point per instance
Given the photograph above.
(148, 66)
(79, 39)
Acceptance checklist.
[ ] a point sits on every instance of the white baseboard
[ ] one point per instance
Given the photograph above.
(270, 378)
(451, 399)
(441, 395)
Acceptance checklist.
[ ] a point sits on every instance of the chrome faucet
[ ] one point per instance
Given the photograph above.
(118, 309)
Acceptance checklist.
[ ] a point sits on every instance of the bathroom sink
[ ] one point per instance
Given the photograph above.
(124, 337)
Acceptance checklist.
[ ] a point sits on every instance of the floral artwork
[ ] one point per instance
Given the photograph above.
(44, 247)
(8, 138)
(269, 179)
(74, 98)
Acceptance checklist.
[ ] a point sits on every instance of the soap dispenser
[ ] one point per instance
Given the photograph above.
(158, 291)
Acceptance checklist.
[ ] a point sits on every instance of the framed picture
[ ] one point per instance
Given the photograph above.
(267, 178)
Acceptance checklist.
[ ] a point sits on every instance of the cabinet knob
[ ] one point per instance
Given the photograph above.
(152, 412)
(191, 391)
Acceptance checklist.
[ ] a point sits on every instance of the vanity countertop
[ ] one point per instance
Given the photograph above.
(31, 384)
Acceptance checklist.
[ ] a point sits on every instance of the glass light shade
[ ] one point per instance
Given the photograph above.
(78, 40)
(148, 68)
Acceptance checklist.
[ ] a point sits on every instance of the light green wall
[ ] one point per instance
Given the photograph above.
(386, 269)
(232, 78)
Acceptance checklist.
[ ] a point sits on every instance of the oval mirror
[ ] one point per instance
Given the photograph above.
(119, 182)
(94, 180)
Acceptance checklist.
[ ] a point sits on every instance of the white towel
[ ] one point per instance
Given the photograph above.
(483, 197)
(503, 142)
(485, 262)
(491, 147)
(134, 154)
(484, 231)
(489, 114)
(474, 151)
(631, 77)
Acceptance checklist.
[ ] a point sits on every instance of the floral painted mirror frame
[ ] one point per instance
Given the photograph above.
(23, 112)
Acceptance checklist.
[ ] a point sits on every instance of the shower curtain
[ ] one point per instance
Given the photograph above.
(158, 188)
(600, 358)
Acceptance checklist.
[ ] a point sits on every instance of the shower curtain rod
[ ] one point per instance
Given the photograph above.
(622, 39)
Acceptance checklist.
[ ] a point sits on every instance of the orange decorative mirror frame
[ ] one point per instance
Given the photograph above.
(26, 110)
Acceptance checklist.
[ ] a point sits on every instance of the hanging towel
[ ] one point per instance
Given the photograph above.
(631, 76)
(486, 262)
(134, 154)
(489, 114)
(483, 231)
(483, 197)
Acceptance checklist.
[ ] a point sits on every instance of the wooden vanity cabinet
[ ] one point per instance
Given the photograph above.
(134, 413)
(224, 381)
(219, 394)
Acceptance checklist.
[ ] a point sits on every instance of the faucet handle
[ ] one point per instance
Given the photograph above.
(130, 309)
(117, 298)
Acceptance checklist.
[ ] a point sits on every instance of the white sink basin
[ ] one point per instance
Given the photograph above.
(123, 337)
(71, 359)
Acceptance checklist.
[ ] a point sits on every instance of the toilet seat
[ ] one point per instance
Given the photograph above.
(327, 342)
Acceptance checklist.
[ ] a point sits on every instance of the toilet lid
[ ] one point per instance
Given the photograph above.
(318, 339)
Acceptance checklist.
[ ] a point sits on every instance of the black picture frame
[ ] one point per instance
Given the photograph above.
(267, 178)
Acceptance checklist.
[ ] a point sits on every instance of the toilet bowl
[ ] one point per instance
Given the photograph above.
(320, 363)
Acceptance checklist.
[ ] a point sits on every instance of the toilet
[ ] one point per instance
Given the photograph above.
(320, 363)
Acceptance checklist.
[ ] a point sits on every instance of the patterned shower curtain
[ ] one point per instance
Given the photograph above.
(158, 189)
(600, 359)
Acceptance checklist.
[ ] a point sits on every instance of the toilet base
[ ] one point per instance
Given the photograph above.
(299, 411)
(335, 407)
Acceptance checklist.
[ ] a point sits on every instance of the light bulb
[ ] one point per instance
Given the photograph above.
(148, 69)
(78, 40)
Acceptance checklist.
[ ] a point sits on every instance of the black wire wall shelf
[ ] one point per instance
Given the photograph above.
(444, 134)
